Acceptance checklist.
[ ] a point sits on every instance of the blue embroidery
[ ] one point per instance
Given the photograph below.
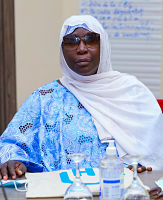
(54, 124)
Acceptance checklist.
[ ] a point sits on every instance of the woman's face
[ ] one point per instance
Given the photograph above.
(84, 58)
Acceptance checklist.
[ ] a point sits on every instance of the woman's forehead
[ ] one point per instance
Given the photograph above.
(71, 29)
(79, 31)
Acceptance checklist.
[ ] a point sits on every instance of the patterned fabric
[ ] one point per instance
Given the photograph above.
(51, 124)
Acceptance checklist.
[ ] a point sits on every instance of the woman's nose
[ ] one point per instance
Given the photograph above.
(82, 47)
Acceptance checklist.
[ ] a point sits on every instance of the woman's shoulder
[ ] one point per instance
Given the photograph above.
(44, 92)
(136, 86)
(131, 80)
(54, 85)
(50, 88)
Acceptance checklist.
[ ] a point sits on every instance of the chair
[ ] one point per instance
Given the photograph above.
(160, 102)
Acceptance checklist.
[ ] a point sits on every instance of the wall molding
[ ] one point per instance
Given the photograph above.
(7, 63)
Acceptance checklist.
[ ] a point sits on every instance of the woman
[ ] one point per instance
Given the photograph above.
(81, 111)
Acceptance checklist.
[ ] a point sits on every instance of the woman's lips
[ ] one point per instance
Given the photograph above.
(83, 62)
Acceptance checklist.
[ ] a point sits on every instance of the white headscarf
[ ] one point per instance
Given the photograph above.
(121, 106)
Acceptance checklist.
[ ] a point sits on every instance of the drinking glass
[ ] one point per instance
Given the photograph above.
(135, 191)
(78, 190)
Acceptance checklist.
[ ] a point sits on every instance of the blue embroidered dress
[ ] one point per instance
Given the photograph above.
(51, 124)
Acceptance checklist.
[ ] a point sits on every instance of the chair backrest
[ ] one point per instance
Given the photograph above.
(160, 102)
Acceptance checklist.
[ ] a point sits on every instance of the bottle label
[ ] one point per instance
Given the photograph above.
(111, 189)
(112, 179)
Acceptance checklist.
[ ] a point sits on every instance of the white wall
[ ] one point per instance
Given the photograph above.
(37, 27)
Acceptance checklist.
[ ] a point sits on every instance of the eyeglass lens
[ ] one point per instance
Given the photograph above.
(72, 41)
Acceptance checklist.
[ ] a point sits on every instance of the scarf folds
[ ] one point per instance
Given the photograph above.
(121, 106)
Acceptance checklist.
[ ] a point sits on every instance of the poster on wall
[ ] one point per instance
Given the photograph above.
(135, 31)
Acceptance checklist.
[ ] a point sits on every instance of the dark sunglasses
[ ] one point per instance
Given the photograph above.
(72, 41)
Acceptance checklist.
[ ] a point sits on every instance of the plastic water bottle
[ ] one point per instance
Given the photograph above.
(111, 175)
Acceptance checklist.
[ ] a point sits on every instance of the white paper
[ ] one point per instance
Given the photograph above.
(53, 184)
(135, 31)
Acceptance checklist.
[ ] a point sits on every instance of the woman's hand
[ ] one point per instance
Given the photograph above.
(12, 168)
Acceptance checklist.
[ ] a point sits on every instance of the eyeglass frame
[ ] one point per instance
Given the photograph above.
(84, 39)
